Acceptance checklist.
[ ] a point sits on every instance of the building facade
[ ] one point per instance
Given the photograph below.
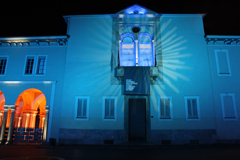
(136, 75)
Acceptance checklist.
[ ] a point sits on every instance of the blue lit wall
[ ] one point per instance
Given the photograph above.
(54, 72)
(227, 129)
(88, 73)
(185, 73)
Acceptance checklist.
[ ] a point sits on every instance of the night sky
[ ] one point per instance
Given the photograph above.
(44, 18)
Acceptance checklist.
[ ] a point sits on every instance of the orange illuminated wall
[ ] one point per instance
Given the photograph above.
(29, 104)
(2, 103)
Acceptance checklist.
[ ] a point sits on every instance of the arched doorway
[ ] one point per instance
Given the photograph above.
(29, 117)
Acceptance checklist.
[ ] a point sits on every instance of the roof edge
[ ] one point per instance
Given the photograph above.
(33, 38)
(222, 37)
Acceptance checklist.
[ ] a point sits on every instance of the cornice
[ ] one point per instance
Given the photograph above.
(34, 41)
(223, 40)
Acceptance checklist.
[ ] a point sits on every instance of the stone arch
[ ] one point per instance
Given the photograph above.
(27, 105)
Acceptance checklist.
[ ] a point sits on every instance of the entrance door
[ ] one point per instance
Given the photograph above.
(137, 119)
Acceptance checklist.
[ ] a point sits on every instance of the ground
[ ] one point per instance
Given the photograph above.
(124, 152)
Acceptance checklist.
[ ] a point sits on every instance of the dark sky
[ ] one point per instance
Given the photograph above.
(44, 18)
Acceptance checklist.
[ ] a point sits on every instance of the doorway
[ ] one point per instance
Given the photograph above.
(137, 119)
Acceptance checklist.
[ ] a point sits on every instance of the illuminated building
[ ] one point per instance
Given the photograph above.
(136, 75)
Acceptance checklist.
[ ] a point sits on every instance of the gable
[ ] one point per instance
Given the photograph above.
(136, 9)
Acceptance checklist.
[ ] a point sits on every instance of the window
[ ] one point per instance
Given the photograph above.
(222, 61)
(82, 108)
(3, 65)
(127, 50)
(142, 55)
(228, 106)
(192, 108)
(110, 108)
(41, 65)
(145, 50)
(165, 108)
(29, 65)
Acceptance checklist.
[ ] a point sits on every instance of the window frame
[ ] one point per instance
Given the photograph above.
(227, 59)
(36, 68)
(147, 35)
(234, 106)
(125, 35)
(186, 108)
(115, 108)
(4, 56)
(76, 108)
(159, 108)
(25, 65)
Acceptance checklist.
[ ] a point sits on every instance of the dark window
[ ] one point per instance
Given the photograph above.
(192, 108)
(82, 108)
(29, 65)
(109, 109)
(3, 63)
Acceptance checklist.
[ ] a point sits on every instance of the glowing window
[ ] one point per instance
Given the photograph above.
(3, 65)
(41, 65)
(228, 106)
(127, 50)
(82, 108)
(192, 108)
(109, 108)
(165, 108)
(145, 50)
(29, 65)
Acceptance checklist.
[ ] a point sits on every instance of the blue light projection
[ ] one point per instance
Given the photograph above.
(172, 49)
(136, 10)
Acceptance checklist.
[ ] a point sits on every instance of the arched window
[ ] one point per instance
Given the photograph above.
(127, 50)
(145, 50)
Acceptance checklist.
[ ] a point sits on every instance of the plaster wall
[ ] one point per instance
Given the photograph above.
(185, 73)
(226, 129)
(54, 72)
(88, 73)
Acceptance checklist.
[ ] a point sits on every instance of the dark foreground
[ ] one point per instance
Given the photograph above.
(126, 152)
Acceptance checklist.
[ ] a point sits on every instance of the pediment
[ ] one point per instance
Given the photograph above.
(136, 9)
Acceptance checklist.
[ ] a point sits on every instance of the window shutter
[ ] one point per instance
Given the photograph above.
(228, 107)
(222, 63)
(107, 108)
(167, 108)
(189, 108)
(3, 63)
(162, 108)
(112, 108)
(79, 111)
(194, 108)
(41, 65)
(29, 65)
(84, 114)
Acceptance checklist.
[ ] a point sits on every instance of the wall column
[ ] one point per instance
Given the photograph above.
(42, 121)
(32, 119)
(4, 124)
(19, 121)
(1, 119)
(10, 129)
(45, 125)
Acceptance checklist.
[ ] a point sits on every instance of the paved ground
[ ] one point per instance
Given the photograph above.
(127, 152)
